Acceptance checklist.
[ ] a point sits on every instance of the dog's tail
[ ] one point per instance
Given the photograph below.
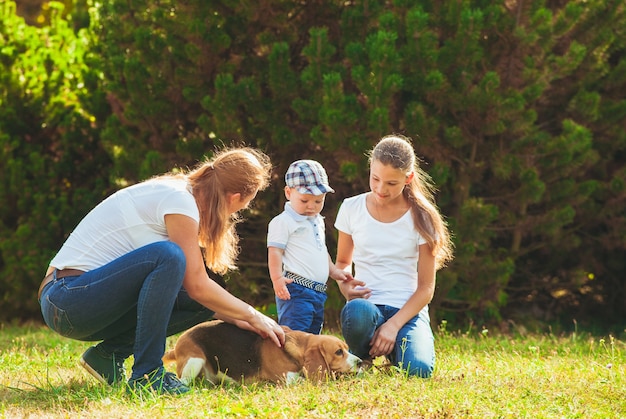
(169, 357)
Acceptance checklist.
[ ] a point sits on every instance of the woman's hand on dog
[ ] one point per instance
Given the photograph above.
(242, 324)
(267, 327)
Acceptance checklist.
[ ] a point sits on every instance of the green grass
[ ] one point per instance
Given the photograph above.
(478, 375)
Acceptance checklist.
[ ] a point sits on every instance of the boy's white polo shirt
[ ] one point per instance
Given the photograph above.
(303, 240)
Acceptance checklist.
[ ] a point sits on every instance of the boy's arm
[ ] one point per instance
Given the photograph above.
(336, 273)
(275, 266)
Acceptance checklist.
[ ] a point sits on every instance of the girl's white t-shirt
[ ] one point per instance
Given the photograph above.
(127, 220)
(385, 254)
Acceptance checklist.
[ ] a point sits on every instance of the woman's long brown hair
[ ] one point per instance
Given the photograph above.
(242, 170)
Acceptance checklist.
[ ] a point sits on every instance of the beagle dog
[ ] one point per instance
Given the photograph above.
(221, 351)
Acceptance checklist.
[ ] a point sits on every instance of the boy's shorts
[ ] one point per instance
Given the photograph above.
(304, 311)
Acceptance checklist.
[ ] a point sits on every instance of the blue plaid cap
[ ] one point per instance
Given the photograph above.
(308, 177)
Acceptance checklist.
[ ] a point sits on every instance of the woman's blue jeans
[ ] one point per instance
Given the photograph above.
(414, 351)
(132, 304)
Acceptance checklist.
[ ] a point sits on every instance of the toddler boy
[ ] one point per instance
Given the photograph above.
(298, 260)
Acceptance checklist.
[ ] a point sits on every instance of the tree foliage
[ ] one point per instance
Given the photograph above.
(517, 109)
(51, 165)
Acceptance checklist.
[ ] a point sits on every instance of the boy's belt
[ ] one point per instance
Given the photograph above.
(305, 282)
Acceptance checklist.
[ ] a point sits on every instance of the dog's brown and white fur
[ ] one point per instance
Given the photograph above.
(223, 352)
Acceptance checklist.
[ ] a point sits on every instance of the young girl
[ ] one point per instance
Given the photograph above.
(396, 239)
(133, 273)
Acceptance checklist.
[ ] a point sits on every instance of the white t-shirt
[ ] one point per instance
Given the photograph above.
(127, 220)
(385, 254)
(304, 241)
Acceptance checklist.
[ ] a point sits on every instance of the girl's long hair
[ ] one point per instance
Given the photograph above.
(241, 170)
(396, 151)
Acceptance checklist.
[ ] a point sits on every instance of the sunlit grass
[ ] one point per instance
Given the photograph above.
(478, 375)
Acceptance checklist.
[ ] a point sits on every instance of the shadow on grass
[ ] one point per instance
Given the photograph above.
(73, 392)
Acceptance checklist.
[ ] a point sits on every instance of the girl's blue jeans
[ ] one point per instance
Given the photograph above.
(131, 304)
(414, 351)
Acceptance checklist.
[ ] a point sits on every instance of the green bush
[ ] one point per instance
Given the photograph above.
(52, 165)
(516, 112)
(517, 109)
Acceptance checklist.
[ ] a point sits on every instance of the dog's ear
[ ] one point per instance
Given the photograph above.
(315, 365)
(294, 346)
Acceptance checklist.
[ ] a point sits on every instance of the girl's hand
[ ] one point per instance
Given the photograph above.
(354, 289)
(384, 340)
